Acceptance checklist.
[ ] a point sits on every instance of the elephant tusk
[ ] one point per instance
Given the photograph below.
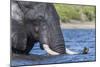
(70, 52)
(49, 51)
(85, 51)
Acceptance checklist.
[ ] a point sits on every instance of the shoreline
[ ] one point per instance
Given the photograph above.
(77, 25)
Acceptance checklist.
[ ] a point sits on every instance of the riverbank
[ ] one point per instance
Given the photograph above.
(78, 25)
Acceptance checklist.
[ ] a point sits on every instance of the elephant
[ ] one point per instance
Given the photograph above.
(33, 22)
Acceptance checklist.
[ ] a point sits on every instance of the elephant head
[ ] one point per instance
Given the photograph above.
(36, 22)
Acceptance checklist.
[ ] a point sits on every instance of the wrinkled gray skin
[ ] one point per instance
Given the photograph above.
(33, 22)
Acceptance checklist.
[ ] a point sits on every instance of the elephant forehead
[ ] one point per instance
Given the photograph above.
(37, 12)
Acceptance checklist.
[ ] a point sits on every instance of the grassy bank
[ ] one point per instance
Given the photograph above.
(75, 12)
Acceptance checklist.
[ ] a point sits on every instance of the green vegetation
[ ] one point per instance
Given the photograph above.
(75, 12)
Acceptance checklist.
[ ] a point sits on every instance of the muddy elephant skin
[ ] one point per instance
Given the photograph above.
(33, 22)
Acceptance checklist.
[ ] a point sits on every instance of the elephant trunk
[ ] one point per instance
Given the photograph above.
(50, 32)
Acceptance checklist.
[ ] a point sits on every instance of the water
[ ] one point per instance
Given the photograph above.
(75, 39)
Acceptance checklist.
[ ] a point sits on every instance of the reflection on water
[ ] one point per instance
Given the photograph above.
(76, 40)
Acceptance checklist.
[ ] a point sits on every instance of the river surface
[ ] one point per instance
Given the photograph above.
(75, 39)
